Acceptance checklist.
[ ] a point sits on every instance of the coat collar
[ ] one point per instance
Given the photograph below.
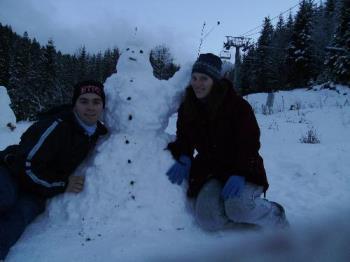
(65, 113)
(70, 117)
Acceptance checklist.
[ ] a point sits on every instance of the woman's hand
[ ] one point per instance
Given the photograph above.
(180, 170)
(233, 187)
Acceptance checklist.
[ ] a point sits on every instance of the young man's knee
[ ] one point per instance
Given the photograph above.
(29, 208)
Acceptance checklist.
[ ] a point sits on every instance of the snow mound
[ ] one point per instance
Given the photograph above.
(6, 114)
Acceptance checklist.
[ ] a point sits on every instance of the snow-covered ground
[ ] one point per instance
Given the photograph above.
(129, 211)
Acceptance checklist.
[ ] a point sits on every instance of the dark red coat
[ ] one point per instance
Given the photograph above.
(224, 132)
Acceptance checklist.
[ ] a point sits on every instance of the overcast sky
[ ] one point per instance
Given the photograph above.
(101, 24)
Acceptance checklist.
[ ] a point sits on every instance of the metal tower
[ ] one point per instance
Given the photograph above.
(238, 42)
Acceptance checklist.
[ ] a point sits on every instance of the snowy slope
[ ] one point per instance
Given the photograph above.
(129, 211)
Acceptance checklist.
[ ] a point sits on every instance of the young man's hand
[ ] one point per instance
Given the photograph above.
(75, 184)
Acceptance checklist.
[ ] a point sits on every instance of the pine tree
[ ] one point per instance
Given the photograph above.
(19, 66)
(300, 50)
(67, 75)
(338, 60)
(247, 76)
(323, 30)
(280, 39)
(5, 46)
(263, 70)
(34, 80)
(83, 64)
(98, 67)
(52, 94)
(109, 62)
(330, 17)
(162, 62)
(91, 67)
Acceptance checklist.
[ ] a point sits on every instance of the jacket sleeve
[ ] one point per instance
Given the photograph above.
(249, 140)
(41, 144)
(183, 145)
(7, 154)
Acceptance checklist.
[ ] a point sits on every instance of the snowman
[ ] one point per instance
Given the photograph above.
(126, 178)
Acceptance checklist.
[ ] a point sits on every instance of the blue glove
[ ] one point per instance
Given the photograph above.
(180, 170)
(233, 187)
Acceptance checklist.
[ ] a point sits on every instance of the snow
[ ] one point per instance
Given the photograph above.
(129, 211)
(7, 115)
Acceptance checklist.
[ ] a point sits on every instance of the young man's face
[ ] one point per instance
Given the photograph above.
(201, 84)
(89, 108)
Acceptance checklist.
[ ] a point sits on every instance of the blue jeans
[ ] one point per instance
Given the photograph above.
(17, 210)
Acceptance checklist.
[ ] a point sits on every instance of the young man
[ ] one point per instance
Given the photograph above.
(40, 166)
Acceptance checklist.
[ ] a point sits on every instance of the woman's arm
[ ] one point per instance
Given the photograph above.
(183, 145)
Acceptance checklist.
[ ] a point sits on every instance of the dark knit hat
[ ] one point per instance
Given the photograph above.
(208, 64)
(89, 86)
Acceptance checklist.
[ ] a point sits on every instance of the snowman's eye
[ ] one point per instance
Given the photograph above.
(128, 49)
(141, 52)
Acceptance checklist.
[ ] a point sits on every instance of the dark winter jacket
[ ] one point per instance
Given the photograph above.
(224, 132)
(48, 153)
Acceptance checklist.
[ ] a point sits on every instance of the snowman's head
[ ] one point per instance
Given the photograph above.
(133, 58)
(133, 53)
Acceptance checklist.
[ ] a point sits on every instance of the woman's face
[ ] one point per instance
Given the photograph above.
(201, 84)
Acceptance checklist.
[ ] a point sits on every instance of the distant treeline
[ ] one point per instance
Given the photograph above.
(311, 47)
(40, 77)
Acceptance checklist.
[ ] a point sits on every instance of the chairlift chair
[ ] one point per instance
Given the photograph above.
(225, 54)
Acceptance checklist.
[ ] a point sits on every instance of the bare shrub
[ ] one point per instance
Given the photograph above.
(311, 137)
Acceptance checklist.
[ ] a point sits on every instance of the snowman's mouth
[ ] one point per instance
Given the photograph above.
(132, 59)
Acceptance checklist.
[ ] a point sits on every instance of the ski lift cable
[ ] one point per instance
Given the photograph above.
(271, 20)
(201, 39)
(252, 34)
(288, 10)
(205, 36)
(211, 30)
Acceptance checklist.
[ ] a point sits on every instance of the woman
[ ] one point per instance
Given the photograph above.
(227, 176)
